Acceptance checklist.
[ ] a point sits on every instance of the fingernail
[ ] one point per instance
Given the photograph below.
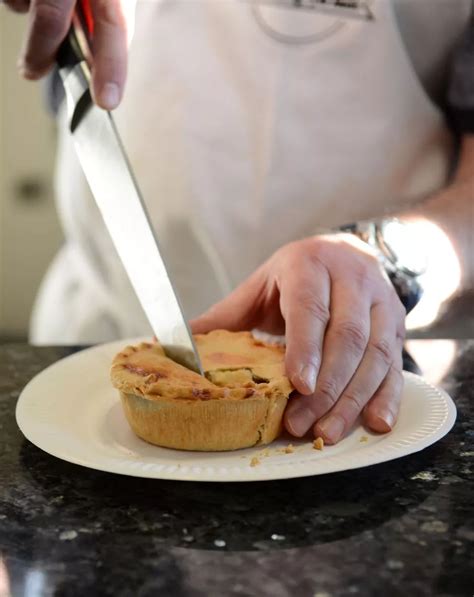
(331, 428)
(385, 420)
(308, 376)
(300, 420)
(109, 96)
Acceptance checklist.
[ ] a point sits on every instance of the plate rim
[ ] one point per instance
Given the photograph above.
(265, 472)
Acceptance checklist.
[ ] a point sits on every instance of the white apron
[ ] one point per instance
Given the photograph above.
(242, 142)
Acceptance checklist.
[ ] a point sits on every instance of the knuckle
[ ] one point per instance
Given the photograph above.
(50, 19)
(319, 251)
(303, 256)
(315, 245)
(310, 303)
(353, 335)
(354, 400)
(327, 389)
(383, 349)
(362, 275)
(287, 255)
(296, 252)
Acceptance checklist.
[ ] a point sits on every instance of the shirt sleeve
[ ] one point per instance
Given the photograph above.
(460, 97)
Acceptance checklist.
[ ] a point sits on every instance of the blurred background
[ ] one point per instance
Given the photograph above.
(29, 229)
(30, 233)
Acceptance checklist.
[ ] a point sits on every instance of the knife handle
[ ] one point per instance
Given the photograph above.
(72, 58)
(70, 51)
(73, 49)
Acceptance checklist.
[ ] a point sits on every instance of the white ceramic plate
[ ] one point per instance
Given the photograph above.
(71, 411)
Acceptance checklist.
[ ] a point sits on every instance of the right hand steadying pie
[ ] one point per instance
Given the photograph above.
(344, 327)
(49, 22)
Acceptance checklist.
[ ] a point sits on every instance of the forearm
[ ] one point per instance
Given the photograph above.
(452, 210)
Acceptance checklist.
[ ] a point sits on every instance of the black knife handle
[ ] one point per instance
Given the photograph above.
(72, 60)
(70, 52)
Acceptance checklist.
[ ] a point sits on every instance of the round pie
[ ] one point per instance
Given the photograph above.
(237, 404)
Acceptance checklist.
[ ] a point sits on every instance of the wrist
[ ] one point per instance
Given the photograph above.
(398, 253)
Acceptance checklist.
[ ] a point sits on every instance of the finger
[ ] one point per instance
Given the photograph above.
(344, 345)
(48, 25)
(109, 48)
(238, 311)
(373, 369)
(381, 412)
(304, 303)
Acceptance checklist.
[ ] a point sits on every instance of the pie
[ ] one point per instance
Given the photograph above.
(237, 404)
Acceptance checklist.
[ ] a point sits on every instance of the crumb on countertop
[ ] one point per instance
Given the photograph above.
(255, 461)
(318, 443)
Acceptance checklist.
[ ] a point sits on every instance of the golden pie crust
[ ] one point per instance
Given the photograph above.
(239, 403)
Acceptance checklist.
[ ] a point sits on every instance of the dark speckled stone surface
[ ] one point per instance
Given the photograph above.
(399, 528)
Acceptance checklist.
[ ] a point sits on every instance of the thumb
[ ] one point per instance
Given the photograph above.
(238, 311)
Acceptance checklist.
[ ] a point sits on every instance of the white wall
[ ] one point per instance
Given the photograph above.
(29, 230)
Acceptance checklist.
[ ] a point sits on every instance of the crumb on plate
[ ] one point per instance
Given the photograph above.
(255, 461)
(318, 443)
(364, 438)
(289, 449)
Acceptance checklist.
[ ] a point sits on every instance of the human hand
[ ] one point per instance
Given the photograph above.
(344, 327)
(49, 22)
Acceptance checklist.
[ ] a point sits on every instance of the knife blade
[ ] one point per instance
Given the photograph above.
(113, 185)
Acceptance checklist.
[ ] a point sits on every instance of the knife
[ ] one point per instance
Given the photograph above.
(110, 177)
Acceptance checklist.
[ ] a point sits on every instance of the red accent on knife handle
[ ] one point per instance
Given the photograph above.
(87, 17)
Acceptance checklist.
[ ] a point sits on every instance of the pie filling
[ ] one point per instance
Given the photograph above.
(236, 367)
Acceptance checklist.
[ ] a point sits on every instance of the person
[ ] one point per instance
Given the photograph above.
(256, 129)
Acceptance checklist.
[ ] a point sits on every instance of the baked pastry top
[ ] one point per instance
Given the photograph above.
(237, 366)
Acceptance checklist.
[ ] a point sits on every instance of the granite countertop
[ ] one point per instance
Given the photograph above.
(398, 528)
